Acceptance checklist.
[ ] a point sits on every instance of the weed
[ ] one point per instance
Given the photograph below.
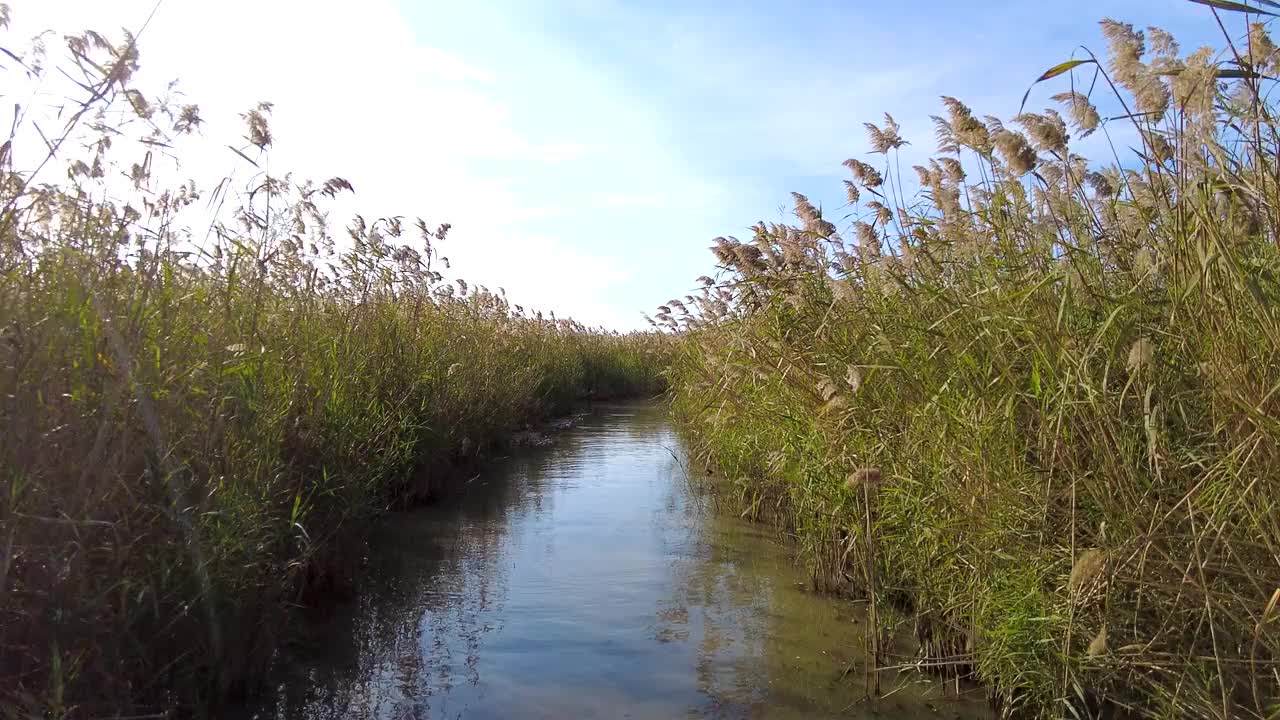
(197, 423)
(1064, 373)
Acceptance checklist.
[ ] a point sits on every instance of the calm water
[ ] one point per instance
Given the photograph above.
(589, 580)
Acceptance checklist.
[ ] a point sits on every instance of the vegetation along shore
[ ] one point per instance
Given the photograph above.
(1031, 411)
(200, 420)
(1022, 404)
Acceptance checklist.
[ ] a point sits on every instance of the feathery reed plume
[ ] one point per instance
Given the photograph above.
(1100, 183)
(967, 130)
(868, 241)
(867, 476)
(851, 192)
(1083, 114)
(883, 214)
(1017, 153)
(1141, 353)
(1088, 566)
(1048, 132)
(1261, 52)
(867, 176)
(256, 121)
(1127, 46)
(812, 217)
(952, 169)
(884, 139)
(1098, 646)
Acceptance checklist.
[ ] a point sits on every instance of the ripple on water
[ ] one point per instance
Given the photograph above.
(586, 580)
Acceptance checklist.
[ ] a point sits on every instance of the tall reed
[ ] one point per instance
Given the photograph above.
(1062, 374)
(197, 423)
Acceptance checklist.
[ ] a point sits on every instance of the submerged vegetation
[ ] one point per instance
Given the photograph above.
(1032, 407)
(199, 416)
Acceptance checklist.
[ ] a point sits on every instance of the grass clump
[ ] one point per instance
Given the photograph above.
(196, 422)
(1064, 374)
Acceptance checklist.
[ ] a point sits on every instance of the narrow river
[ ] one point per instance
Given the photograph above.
(590, 580)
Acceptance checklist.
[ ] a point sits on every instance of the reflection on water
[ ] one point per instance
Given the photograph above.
(587, 580)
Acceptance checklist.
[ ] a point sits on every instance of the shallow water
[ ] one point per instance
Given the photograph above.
(590, 580)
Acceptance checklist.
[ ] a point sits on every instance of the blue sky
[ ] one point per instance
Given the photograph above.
(588, 152)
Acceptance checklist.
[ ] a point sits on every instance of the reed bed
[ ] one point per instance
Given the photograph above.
(199, 420)
(1030, 406)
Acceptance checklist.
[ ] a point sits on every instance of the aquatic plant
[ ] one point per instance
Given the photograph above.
(1064, 372)
(206, 395)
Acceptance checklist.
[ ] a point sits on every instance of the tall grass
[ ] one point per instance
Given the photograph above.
(1032, 408)
(196, 424)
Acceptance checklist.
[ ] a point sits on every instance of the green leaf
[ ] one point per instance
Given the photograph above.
(1054, 72)
(1061, 68)
(1233, 6)
(1221, 74)
(246, 157)
(1235, 74)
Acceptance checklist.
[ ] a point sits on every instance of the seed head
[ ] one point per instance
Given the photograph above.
(1263, 54)
(256, 120)
(883, 215)
(869, 476)
(1016, 151)
(1083, 114)
(852, 192)
(1141, 353)
(1195, 87)
(866, 175)
(1162, 43)
(1099, 644)
(966, 129)
(1048, 132)
(1087, 567)
(1100, 183)
(812, 217)
(887, 138)
(1127, 46)
(953, 170)
(868, 241)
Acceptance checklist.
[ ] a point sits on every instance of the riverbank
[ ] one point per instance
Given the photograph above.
(202, 414)
(1030, 412)
(178, 487)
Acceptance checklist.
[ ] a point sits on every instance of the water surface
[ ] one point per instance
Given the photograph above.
(590, 580)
